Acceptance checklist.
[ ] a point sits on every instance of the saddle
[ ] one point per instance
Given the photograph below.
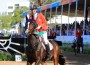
(47, 47)
(40, 39)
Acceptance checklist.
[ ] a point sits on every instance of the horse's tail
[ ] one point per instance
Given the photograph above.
(61, 59)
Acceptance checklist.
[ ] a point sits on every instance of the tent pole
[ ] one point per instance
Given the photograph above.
(76, 16)
(45, 13)
(61, 20)
(68, 17)
(56, 14)
(84, 16)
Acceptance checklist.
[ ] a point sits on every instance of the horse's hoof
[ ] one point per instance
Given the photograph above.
(49, 57)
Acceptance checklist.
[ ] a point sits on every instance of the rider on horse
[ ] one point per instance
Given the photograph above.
(42, 27)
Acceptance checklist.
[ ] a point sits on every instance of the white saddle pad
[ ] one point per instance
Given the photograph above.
(50, 45)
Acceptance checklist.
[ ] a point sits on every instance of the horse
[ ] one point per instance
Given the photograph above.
(36, 52)
(78, 45)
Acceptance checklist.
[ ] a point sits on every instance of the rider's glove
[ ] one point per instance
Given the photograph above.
(26, 31)
(38, 27)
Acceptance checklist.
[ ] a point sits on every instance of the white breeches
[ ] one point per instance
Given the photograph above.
(44, 36)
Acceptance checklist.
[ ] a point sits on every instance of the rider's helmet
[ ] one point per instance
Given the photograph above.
(33, 7)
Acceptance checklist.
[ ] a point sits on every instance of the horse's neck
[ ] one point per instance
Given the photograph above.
(32, 40)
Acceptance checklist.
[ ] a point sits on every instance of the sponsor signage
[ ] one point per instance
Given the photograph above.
(56, 4)
(18, 58)
(52, 5)
(6, 44)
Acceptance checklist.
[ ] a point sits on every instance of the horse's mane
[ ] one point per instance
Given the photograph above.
(32, 27)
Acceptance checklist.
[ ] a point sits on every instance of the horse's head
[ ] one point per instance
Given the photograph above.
(32, 39)
(32, 27)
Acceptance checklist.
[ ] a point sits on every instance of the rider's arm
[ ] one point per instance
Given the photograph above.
(43, 20)
(28, 25)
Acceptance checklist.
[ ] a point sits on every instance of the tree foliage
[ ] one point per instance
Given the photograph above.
(8, 20)
(51, 1)
(18, 14)
(42, 2)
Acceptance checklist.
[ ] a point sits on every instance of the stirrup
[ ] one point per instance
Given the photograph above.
(49, 56)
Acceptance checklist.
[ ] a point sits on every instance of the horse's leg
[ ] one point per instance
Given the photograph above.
(38, 61)
(55, 60)
(44, 63)
(56, 55)
(28, 63)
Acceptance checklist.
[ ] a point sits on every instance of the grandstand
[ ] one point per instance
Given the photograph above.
(70, 8)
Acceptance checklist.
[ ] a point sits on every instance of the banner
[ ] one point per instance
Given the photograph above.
(45, 7)
(56, 4)
(63, 2)
(52, 5)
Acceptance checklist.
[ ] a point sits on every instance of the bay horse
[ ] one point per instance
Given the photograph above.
(35, 50)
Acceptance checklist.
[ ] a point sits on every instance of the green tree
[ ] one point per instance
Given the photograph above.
(18, 14)
(6, 21)
(42, 2)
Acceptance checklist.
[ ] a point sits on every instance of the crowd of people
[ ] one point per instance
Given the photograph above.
(69, 29)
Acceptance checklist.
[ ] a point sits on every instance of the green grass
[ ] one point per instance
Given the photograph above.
(9, 57)
(69, 49)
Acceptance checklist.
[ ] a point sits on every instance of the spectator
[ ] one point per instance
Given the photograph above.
(51, 32)
(78, 34)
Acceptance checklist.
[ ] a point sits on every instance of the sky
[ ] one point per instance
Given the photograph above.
(3, 3)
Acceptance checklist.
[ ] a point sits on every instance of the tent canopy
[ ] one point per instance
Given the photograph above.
(72, 8)
(65, 10)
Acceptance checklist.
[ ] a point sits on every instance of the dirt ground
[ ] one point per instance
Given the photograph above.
(71, 59)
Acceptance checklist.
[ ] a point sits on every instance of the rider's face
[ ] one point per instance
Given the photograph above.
(78, 30)
(34, 11)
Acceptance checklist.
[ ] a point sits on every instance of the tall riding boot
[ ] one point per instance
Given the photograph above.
(48, 51)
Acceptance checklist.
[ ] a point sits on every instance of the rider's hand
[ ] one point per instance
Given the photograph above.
(38, 27)
(26, 31)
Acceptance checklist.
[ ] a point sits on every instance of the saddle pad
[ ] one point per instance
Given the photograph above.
(40, 33)
(50, 45)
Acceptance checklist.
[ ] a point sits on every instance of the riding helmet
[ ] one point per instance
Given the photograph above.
(33, 7)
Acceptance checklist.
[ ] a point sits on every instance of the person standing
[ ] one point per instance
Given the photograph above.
(79, 40)
(78, 33)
